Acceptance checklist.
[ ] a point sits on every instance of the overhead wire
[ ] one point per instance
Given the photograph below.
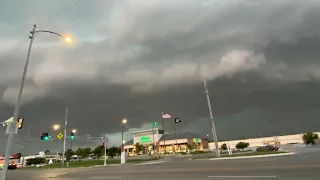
(58, 13)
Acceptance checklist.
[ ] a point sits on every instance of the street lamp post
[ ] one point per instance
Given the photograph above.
(12, 125)
(124, 121)
(123, 155)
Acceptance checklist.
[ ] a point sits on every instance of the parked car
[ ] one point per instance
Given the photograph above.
(268, 148)
(11, 166)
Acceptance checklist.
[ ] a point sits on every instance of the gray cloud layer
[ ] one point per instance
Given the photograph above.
(134, 59)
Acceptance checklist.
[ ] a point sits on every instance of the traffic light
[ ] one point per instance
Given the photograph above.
(71, 135)
(20, 123)
(44, 136)
(102, 145)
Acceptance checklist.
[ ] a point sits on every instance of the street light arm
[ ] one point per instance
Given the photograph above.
(45, 31)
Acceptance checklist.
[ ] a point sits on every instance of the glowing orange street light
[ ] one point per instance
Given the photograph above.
(68, 39)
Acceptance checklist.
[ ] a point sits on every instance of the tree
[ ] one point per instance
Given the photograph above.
(224, 146)
(190, 147)
(139, 148)
(309, 138)
(242, 145)
(113, 151)
(69, 153)
(47, 151)
(80, 152)
(98, 151)
(195, 146)
(86, 152)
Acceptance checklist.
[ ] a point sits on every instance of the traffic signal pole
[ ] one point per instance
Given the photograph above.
(105, 150)
(70, 143)
(64, 136)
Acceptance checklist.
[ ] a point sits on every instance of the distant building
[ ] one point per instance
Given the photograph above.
(254, 142)
(154, 140)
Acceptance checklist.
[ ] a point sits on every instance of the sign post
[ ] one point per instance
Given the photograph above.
(229, 149)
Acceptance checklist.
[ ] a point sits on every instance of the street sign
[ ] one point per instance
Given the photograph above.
(154, 124)
(59, 136)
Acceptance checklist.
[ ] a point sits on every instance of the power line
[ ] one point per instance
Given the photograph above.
(58, 13)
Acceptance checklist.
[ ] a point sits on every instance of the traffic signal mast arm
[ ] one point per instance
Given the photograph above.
(45, 136)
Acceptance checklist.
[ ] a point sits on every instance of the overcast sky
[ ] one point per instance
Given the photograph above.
(135, 58)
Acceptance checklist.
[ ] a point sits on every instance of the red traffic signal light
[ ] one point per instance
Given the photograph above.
(102, 145)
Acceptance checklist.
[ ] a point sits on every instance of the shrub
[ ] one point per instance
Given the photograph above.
(198, 152)
(309, 138)
(38, 160)
(242, 145)
(224, 146)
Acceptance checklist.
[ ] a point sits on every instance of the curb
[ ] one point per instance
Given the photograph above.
(257, 156)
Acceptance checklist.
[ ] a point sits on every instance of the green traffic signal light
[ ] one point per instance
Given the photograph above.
(44, 136)
(72, 135)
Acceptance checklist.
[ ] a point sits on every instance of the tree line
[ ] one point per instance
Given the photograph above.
(97, 152)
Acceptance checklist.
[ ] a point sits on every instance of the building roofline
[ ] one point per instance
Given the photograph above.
(145, 130)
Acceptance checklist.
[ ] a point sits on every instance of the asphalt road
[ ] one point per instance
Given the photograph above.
(303, 166)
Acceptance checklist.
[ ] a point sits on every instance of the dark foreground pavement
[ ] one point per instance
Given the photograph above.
(295, 167)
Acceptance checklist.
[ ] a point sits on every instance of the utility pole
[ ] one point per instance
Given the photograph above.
(64, 136)
(274, 132)
(214, 133)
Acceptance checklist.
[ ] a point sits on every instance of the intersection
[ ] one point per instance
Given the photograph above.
(301, 166)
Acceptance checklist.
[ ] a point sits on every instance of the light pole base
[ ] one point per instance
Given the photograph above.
(123, 158)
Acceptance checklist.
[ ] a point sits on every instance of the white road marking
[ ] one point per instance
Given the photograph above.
(147, 163)
(242, 176)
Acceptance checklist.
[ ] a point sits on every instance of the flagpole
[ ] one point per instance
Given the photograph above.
(152, 137)
(164, 141)
(175, 135)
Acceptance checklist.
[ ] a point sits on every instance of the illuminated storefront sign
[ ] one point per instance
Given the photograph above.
(145, 139)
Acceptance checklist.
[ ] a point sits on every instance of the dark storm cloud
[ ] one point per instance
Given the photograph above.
(135, 59)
